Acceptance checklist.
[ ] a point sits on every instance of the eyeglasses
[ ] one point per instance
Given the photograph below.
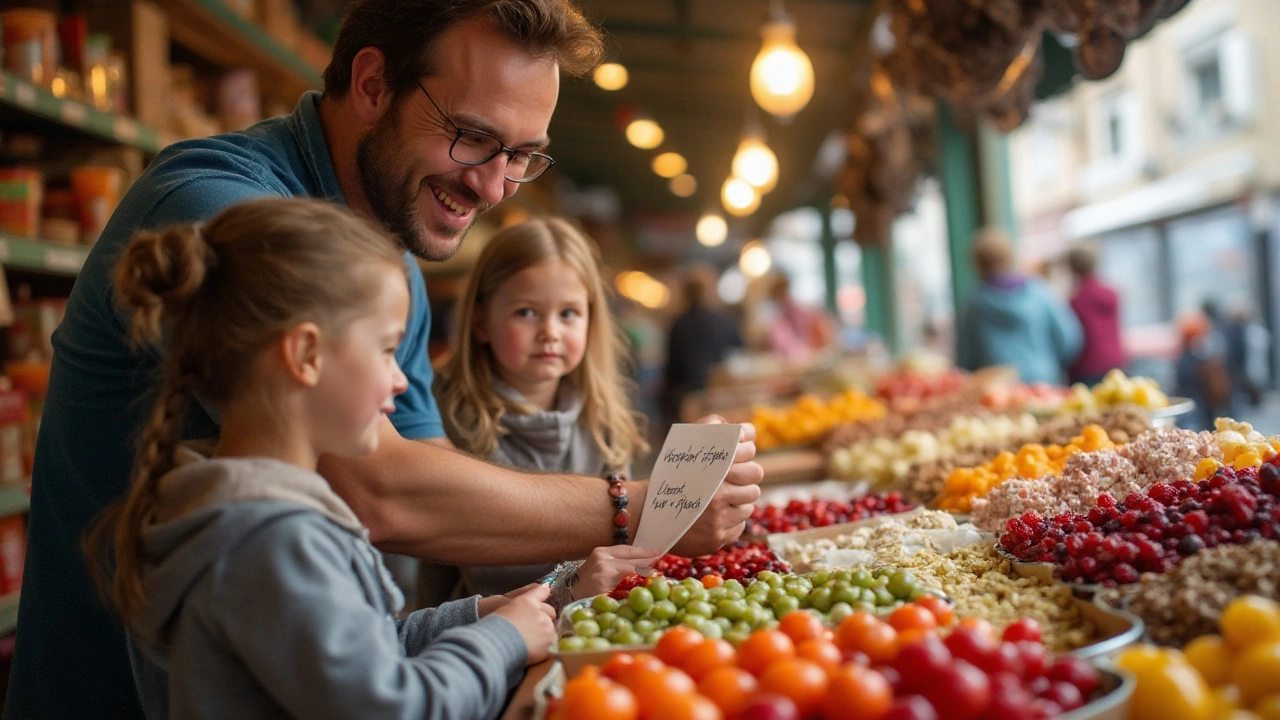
(475, 147)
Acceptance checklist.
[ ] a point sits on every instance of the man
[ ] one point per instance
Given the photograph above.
(433, 112)
(700, 339)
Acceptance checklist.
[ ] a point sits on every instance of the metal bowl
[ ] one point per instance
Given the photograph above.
(1168, 416)
(1114, 705)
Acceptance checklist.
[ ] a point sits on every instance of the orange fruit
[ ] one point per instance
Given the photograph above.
(857, 693)
(801, 626)
(729, 688)
(911, 637)
(803, 681)
(763, 647)
(911, 617)
(640, 662)
(618, 664)
(877, 640)
(941, 609)
(676, 643)
(590, 696)
(712, 581)
(686, 707)
(652, 686)
(711, 654)
(820, 651)
(979, 624)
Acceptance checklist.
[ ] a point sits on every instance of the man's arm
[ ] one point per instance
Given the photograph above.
(425, 500)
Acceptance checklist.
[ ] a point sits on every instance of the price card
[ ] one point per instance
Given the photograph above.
(694, 461)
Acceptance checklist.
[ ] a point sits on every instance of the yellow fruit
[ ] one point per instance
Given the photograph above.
(1226, 701)
(1211, 657)
(1171, 691)
(1141, 658)
(1268, 708)
(1206, 468)
(1246, 460)
(1250, 620)
(1257, 673)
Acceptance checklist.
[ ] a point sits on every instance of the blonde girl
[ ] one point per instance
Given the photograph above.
(535, 382)
(235, 567)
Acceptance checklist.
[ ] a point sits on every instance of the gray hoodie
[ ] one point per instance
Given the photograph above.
(264, 599)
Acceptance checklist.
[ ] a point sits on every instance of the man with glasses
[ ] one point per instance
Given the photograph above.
(433, 112)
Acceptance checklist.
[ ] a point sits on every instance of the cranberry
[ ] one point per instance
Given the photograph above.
(1124, 573)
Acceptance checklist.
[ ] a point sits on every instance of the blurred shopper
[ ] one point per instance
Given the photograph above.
(1013, 320)
(700, 339)
(797, 331)
(1202, 373)
(1098, 309)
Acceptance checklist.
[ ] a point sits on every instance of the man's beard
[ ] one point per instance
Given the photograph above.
(393, 196)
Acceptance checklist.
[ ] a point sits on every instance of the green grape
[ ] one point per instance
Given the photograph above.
(691, 584)
(839, 612)
(699, 594)
(866, 607)
(759, 617)
(758, 598)
(644, 627)
(715, 595)
(725, 623)
(862, 578)
(736, 637)
(843, 577)
(582, 613)
(731, 609)
(604, 604)
(694, 621)
(870, 596)
(608, 633)
(640, 599)
(846, 594)
(621, 624)
(901, 584)
(742, 626)
(879, 581)
(917, 592)
(821, 577)
(785, 605)
(820, 599)
(800, 592)
(700, 608)
(628, 637)
(660, 587)
(663, 610)
(768, 577)
(598, 644)
(573, 644)
(884, 597)
(652, 637)
(587, 629)
(712, 630)
(679, 595)
(775, 594)
(628, 613)
(606, 619)
(734, 588)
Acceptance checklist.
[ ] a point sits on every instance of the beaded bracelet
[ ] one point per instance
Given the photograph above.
(621, 516)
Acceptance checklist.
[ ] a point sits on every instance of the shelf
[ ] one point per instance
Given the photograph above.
(211, 29)
(31, 254)
(74, 114)
(9, 612)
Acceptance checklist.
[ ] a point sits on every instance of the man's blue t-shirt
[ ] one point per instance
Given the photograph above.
(71, 656)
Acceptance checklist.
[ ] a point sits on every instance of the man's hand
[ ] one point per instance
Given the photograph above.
(726, 515)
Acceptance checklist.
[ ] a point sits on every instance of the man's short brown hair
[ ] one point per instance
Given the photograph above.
(406, 32)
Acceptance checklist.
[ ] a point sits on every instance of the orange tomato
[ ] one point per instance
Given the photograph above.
(729, 688)
(686, 707)
(803, 681)
(911, 637)
(820, 651)
(801, 626)
(939, 608)
(762, 648)
(979, 624)
(857, 693)
(591, 696)
(676, 643)
(912, 617)
(712, 653)
(712, 581)
(878, 642)
(618, 664)
(853, 627)
(640, 662)
(652, 686)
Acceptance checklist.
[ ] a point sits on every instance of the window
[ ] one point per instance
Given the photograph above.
(1115, 133)
(1219, 87)
(1115, 142)
(1206, 78)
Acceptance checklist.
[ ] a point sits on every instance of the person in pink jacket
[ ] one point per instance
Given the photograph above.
(1098, 308)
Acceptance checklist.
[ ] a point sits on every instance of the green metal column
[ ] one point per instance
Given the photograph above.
(958, 173)
(878, 282)
(829, 275)
(997, 185)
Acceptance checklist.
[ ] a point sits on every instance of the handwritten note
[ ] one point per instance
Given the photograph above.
(694, 461)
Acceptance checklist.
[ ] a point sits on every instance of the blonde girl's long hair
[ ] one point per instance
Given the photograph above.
(220, 296)
(473, 410)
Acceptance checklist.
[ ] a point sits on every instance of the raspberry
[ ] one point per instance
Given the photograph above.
(1163, 494)
(1106, 501)
(1197, 520)
(1148, 550)
(1239, 503)
(1130, 519)
(1098, 515)
(1124, 573)
(1088, 566)
(1132, 500)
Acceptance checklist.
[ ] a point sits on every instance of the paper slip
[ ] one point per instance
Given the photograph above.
(694, 461)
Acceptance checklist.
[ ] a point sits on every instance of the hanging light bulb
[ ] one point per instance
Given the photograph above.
(669, 164)
(644, 133)
(610, 76)
(756, 163)
(755, 259)
(738, 197)
(683, 185)
(781, 76)
(712, 230)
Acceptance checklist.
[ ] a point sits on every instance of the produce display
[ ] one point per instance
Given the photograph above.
(1035, 397)
(915, 664)
(1187, 602)
(736, 561)
(1152, 532)
(804, 514)
(730, 609)
(1116, 388)
(1235, 674)
(907, 389)
(931, 416)
(887, 540)
(885, 460)
(1030, 461)
(808, 419)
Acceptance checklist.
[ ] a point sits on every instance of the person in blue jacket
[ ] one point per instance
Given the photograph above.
(1014, 320)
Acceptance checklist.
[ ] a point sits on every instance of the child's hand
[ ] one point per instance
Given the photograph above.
(489, 605)
(606, 566)
(535, 620)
